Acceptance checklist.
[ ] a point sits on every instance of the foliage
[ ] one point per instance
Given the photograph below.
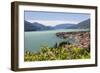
(57, 53)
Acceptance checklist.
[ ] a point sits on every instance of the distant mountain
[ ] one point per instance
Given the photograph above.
(35, 26)
(63, 26)
(85, 24)
(28, 26)
(40, 27)
(82, 25)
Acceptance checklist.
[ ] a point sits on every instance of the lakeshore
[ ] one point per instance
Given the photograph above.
(74, 45)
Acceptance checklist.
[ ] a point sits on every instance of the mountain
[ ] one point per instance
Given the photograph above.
(63, 26)
(85, 24)
(82, 25)
(28, 26)
(40, 27)
(35, 26)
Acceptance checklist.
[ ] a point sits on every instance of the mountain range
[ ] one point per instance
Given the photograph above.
(40, 27)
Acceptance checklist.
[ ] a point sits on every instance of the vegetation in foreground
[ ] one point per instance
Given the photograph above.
(59, 53)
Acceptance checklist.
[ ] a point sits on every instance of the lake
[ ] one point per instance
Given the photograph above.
(36, 39)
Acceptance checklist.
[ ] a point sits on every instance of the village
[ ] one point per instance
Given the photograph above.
(79, 39)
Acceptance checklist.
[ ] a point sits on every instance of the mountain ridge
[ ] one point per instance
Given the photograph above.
(40, 27)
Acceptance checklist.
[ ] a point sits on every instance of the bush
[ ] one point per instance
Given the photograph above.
(59, 53)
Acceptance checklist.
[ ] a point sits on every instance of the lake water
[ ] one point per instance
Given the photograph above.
(36, 39)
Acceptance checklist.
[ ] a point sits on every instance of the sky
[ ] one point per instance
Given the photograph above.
(54, 18)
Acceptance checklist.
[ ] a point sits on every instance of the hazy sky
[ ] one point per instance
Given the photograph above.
(54, 18)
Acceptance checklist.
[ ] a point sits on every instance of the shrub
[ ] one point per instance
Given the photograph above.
(59, 53)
